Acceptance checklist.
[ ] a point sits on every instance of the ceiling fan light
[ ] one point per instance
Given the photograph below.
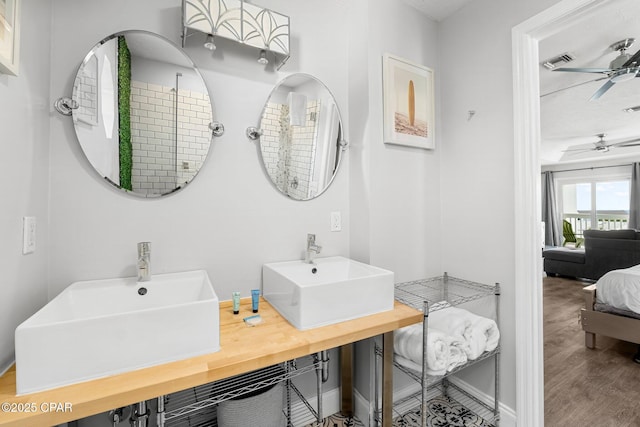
(624, 75)
(619, 61)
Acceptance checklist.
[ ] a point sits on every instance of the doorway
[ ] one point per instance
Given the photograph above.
(528, 295)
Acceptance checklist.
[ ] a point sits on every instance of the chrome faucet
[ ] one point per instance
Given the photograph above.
(311, 247)
(144, 261)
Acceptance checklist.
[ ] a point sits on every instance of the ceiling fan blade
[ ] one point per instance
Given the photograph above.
(576, 150)
(585, 70)
(634, 59)
(628, 143)
(605, 87)
(576, 85)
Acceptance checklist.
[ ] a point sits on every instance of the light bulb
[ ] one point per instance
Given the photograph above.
(263, 57)
(209, 44)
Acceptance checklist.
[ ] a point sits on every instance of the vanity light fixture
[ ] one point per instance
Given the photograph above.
(263, 57)
(209, 44)
(241, 22)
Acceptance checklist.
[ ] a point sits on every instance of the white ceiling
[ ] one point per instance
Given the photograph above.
(437, 9)
(568, 119)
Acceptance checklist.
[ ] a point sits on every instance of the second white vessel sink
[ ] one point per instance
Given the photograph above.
(331, 290)
(98, 328)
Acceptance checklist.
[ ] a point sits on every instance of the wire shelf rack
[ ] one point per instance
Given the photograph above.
(434, 294)
(441, 292)
(197, 406)
(431, 379)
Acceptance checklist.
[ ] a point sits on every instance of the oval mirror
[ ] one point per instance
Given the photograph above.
(301, 140)
(142, 113)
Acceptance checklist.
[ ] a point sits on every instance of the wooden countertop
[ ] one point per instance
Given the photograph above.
(243, 349)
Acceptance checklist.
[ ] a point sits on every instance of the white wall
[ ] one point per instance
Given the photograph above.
(477, 158)
(24, 152)
(415, 212)
(395, 191)
(404, 183)
(229, 220)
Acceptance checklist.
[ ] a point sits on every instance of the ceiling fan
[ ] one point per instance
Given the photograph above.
(624, 67)
(603, 146)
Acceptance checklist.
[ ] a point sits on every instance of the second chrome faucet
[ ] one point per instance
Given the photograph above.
(144, 261)
(312, 248)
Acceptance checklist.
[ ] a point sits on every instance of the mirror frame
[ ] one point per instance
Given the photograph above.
(194, 67)
(341, 143)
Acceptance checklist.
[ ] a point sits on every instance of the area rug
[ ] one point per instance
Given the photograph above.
(338, 420)
(442, 413)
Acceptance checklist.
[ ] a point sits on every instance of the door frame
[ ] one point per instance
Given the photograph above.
(528, 260)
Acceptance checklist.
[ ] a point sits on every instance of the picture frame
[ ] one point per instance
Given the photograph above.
(409, 103)
(9, 36)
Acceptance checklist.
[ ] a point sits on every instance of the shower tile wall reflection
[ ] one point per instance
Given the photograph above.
(160, 162)
(86, 84)
(289, 164)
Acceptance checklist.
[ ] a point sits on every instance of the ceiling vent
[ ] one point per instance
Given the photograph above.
(552, 63)
(632, 109)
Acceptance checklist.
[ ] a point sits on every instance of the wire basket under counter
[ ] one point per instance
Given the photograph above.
(441, 292)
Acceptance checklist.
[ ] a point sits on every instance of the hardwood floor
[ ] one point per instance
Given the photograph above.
(583, 387)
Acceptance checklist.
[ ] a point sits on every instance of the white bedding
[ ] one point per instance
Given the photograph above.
(620, 289)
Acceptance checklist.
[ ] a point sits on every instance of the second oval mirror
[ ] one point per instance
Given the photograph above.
(301, 142)
(143, 113)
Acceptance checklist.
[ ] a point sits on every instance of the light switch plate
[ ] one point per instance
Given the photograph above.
(336, 221)
(28, 234)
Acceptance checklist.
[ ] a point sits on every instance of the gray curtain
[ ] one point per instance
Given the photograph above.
(634, 200)
(553, 230)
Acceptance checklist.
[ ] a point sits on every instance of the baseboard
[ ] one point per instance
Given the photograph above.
(300, 415)
(4, 369)
(364, 410)
(507, 414)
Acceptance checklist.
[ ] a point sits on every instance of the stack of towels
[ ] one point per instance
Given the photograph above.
(455, 336)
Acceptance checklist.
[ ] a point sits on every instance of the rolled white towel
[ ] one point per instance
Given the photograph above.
(479, 333)
(489, 328)
(418, 367)
(457, 324)
(408, 344)
(457, 355)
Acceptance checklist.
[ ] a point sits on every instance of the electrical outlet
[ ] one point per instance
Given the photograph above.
(28, 234)
(336, 221)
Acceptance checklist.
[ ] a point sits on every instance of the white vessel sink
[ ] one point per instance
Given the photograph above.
(333, 290)
(103, 327)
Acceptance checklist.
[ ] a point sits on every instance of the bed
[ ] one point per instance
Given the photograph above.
(612, 307)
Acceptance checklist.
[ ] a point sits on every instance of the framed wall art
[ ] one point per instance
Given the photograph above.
(9, 36)
(409, 103)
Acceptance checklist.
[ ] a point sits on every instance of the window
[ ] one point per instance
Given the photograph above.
(595, 203)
